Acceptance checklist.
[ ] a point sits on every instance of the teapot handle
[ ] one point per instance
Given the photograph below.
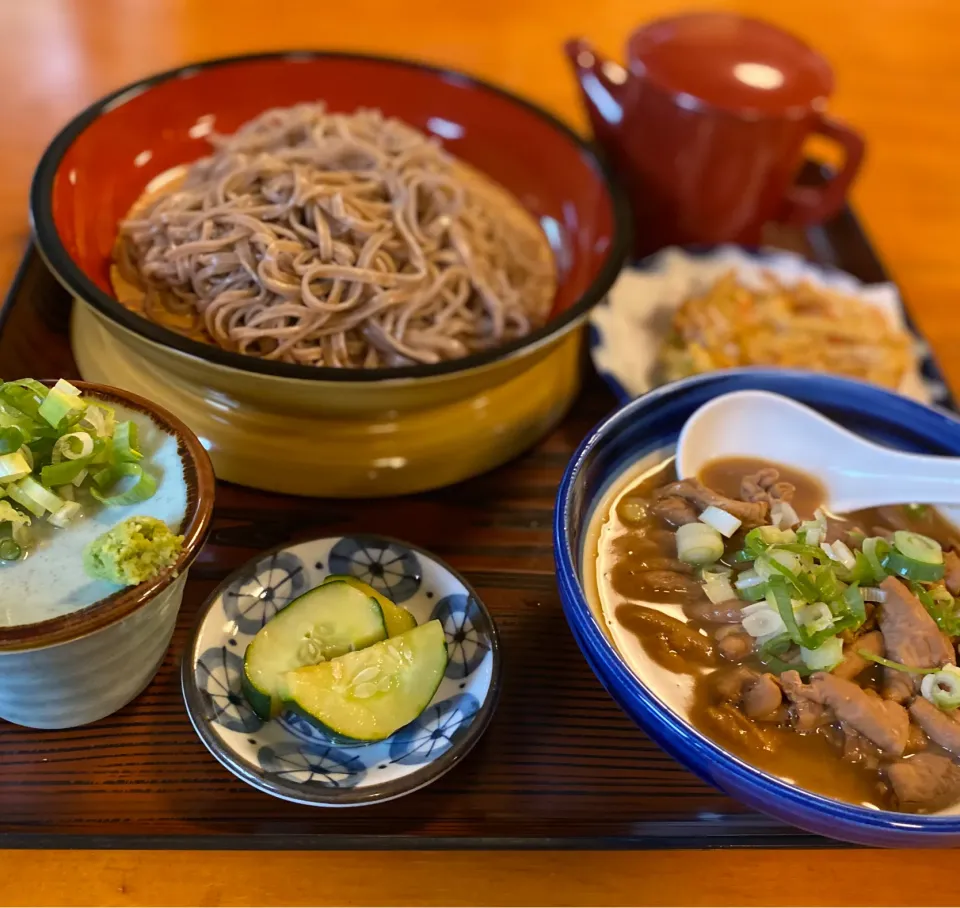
(805, 205)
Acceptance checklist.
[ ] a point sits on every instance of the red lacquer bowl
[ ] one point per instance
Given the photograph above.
(101, 162)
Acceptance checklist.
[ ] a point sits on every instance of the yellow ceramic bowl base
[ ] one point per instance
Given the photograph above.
(393, 453)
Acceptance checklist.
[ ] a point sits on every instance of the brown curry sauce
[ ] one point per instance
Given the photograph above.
(647, 596)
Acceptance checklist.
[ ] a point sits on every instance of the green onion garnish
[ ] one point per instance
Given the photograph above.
(11, 439)
(140, 490)
(125, 443)
(853, 599)
(54, 446)
(898, 666)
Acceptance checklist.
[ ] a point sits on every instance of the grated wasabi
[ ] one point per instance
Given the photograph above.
(135, 550)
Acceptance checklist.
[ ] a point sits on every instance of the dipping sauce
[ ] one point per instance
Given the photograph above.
(50, 581)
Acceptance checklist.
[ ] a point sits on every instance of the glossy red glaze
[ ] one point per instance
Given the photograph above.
(707, 124)
(112, 151)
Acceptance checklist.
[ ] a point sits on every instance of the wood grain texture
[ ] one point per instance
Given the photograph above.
(560, 765)
(812, 878)
(898, 80)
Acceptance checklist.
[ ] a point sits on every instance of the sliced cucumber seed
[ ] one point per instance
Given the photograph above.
(366, 674)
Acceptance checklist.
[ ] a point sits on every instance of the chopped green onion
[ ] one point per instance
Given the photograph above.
(25, 395)
(59, 474)
(722, 521)
(145, 486)
(13, 467)
(125, 444)
(814, 617)
(18, 495)
(941, 594)
(63, 401)
(777, 562)
(768, 563)
(754, 593)
(100, 418)
(66, 514)
(741, 557)
(719, 589)
(827, 584)
(942, 689)
(862, 571)
(812, 532)
(853, 599)
(755, 543)
(11, 439)
(697, 543)
(783, 516)
(941, 609)
(901, 565)
(73, 446)
(779, 598)
(35, 492)
(898, 666)
(762, 620)
(843, 554)
(828, 655)
(778, 666)
(64, 387)
(776, 646)
(748, 579)
(916, 510)
(874, 550)
(918, 547)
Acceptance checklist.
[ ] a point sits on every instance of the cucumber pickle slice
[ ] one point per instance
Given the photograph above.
(326, 622)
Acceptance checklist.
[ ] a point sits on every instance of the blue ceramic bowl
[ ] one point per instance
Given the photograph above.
(653, 422)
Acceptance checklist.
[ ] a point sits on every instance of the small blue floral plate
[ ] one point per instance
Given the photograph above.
(287, 757)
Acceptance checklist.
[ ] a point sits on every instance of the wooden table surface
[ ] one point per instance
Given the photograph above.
(898, 81)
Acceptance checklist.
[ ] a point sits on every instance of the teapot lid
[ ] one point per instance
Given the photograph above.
(731, 62)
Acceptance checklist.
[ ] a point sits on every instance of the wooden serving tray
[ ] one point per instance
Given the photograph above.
(560, 765)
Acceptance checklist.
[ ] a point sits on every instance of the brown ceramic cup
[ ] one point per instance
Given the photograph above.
(706, 127)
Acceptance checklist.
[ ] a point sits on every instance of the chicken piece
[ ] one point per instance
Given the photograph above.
(883, 722)
(911, 637)
(924, 782)
(941, 727)
(763, 486)
(675, 510)
(751, 513)
(759, 696)
(951, 575)
(733, 643)
(853, 663)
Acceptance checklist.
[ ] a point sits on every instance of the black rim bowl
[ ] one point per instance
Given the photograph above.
(62, 265)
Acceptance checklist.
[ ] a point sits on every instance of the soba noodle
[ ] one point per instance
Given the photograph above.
(346, 240)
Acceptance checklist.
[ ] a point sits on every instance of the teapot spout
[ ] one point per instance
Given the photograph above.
(604, 86)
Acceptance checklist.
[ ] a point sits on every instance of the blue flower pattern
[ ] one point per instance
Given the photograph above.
(388, 567)
(468, 633)
(296, 751)
(435, 731)
(274, 582)
(218, 679)
(307, 764)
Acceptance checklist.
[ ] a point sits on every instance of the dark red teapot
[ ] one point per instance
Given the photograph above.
(706, 127)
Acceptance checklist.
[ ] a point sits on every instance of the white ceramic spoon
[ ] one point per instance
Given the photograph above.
(855, 473)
